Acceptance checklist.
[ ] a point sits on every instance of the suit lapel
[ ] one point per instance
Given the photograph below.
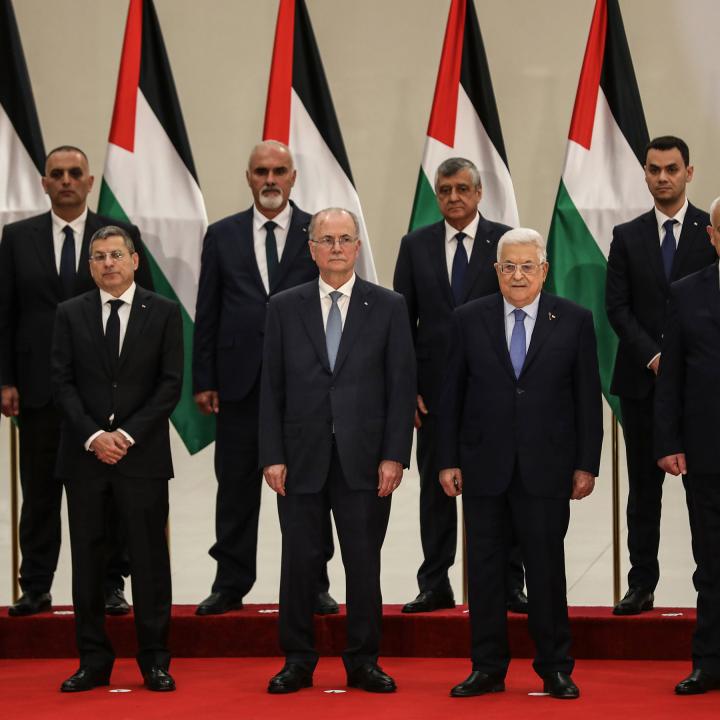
(83, 279)
(692, 229)
(139, 314)
(438, 260)
(311, 315)
(296, 240)
(651, 242)
(246, 247)
(545, 322)
(93, 318)
(481, 255)
(494, 318)
(45, 249)
(361, 302)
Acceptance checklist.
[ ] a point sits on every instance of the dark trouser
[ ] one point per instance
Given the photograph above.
(704, 498)
(645, 482)
(438, 522)
(237, 507)
(540, 525)
(42, 500)
(142, 505)
(361, 519)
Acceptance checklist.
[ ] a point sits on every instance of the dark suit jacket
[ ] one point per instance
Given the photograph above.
(549, 420)
(232, 302)
(141, 391)
(687, 394)
(369, 398)
(637, 292)
(30, 293)
(422, 278)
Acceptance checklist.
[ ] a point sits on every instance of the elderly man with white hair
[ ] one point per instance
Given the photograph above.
(520, 435)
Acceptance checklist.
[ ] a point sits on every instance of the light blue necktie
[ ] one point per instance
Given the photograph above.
(517, 342)
(333, 331)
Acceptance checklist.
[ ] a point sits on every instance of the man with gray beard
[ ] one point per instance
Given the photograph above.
(247, 258)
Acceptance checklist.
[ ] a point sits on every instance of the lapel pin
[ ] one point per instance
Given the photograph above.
(365, 303)
(142, 306)
(551, 316)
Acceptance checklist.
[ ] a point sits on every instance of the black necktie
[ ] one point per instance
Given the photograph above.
(271, 251)
(667, 248)
(459, 266)
(112, 331)
(67, 263)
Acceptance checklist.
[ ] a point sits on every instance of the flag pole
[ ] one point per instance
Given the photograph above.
(14, 497)
(616, 511)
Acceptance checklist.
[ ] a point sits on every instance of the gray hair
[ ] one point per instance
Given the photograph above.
(332, 210)
(112, 231)
(523, 236)
(713, 207)
(271, 144)
(452, 166)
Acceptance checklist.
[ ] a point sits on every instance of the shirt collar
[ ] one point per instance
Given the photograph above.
(470, 229)
(345, 289)
(127, 296)
(679, 216)
(282, 219)
(531, 309)
(77, 224)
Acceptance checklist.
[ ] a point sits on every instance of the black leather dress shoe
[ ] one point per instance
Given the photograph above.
(697, 682)
(218, 603)
(636, 600)
(430, 600)
(325, 604)
(290, 679)
(158, 679)
(371, 678)
(115, 602)
(559, 685)
(478, 683)
(85, 679)
(517, 602)
(30, 604)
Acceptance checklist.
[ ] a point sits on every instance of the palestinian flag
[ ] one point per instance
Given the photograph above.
(603, 180)
(22, 155)
(150, 181)
(300, 113)
(464, 122)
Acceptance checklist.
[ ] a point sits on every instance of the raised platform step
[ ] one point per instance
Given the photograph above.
(661, 634)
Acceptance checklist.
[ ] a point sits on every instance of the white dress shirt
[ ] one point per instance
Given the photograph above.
(282, 221)
(78, 228)
(124, 316)
(679, 218)
(343, 301)
(531, 312)
(470, 231)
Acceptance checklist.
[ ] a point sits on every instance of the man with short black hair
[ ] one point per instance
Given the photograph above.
(42, 263)
(646, 255)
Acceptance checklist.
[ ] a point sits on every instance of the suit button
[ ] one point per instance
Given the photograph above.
(114, 384)
(332, 387)
(519, 391)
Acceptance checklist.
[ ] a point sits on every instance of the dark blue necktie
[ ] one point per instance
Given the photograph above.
(67, 263)
(518, 342)
(271, 252)
(667, 248)
(459, 267)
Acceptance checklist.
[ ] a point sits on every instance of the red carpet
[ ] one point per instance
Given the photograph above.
(662, 634)
(221, 688)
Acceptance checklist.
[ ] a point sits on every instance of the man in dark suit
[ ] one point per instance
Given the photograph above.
(687, 417)
(117, 362)
(336, 413)
(42, 262)
(646, 255)
(439, 268)
(246, 258)
(520, 435)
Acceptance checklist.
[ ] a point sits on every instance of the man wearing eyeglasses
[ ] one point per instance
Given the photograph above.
(117, 366)
(247, 258)
(439, 268)
(520, 435)
(43, 262)
(336, 416)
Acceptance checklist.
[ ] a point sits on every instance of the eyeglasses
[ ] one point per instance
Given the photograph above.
(528, 268)
(328, 241)
(100, 257)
